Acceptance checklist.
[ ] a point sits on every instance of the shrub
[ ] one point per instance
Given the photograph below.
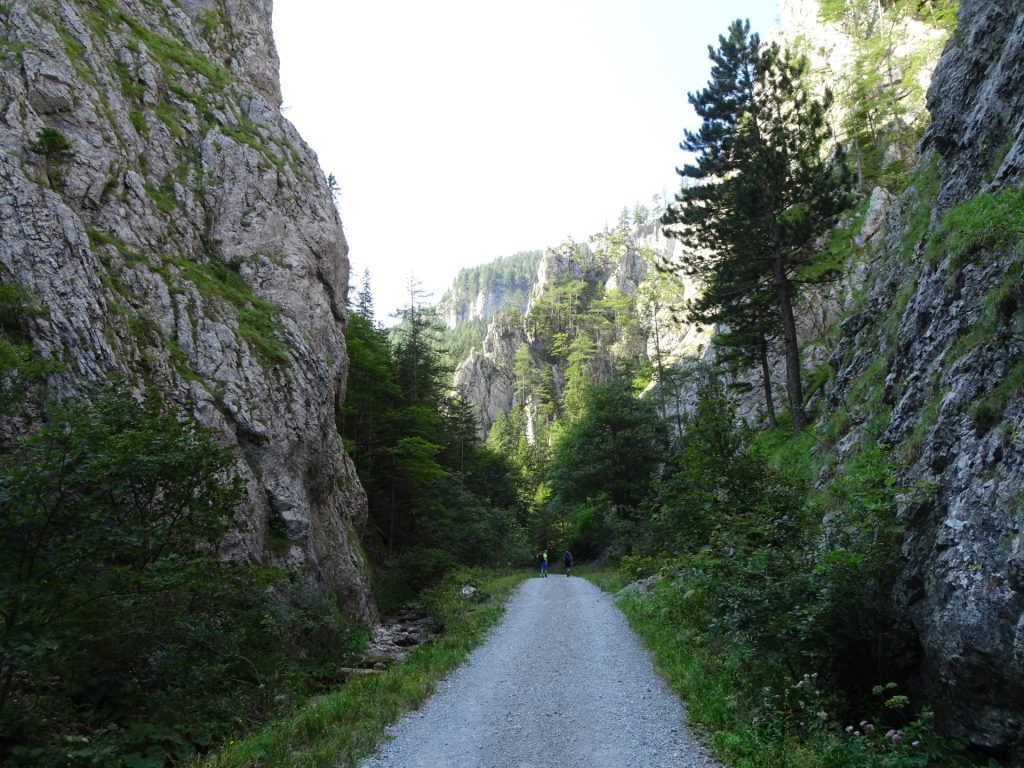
(125, 641)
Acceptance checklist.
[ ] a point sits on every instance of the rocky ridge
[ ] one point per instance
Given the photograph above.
(622, 262)
(186, 237)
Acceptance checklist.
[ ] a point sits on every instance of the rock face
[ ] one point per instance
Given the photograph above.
(947, 328)
(615, 262)
(479, 293)
(488, 379)
(187, 239)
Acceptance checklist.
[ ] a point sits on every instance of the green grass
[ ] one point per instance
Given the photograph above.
(259, 321)
(347, 724)
(924, 189)
(168, 53)
(993, 221)
(783, 448)
(247, 132)
(163, 198)
(170, 115)
(749, 712)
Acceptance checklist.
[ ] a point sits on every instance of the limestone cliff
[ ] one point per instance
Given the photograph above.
(479, 293)
(647, 327)
(179, 231)
(930, 364)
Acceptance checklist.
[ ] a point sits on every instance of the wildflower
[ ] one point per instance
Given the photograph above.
(915, 743)
(869, 728)
(849, 729)
(823, 715)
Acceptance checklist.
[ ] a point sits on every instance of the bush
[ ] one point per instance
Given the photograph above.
(125, 641)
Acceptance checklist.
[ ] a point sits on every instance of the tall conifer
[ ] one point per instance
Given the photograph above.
(764, 189)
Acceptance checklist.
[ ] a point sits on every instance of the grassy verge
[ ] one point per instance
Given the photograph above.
(749, 714)
(347, 724)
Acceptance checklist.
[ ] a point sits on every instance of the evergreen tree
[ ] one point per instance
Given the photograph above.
(607, 459)
(882, 97)
(364, 300)
(752, 326)
(765, 188)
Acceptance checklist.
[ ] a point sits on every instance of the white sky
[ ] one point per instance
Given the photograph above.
(464, 130)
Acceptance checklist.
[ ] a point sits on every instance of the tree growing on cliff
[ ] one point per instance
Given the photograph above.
(882, 95)
(765, 186)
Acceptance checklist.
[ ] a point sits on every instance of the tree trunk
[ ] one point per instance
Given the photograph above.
(794, 388)
(766, 377)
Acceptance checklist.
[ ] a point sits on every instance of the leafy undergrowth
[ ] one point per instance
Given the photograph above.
(752, 714)
(347, 724)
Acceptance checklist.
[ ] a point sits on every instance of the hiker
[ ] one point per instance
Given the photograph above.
(544, 564)
(567, 562)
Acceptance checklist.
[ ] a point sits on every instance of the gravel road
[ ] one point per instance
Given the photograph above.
(562, 681)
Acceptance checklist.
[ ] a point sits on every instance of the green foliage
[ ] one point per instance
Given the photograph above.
(882, 97)
(616, 430)
(989, 411)
(753, 714)
(991, 221)
(168, 53)
(258, 320)
(170, 116)
(56, 151)
(924, 185)
(21, 370)
(162, 197)
(771, 617)
(765, 190)
(210, 22)
(511, 275)
(346, 724)
(124, 640)
(248, 132)
(437, 497)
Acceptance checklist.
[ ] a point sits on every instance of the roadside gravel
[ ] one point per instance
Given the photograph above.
(562, 681)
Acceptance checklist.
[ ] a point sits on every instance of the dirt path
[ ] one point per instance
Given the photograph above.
(561, 682)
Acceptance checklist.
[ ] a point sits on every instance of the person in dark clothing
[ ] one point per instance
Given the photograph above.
(567, 562)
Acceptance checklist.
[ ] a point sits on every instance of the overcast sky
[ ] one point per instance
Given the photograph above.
(464, 130)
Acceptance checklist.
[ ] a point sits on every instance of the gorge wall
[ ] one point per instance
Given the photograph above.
(186, 237)
(930, 363)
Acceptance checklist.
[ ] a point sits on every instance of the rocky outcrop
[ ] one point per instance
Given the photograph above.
(480, 293)
(179, 232)
(613, 262)
(937, 342)
(977, 103)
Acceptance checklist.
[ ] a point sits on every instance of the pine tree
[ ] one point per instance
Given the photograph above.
(364, 299)
(764, 191)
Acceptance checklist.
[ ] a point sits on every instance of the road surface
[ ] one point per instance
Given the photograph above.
(563, 682)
